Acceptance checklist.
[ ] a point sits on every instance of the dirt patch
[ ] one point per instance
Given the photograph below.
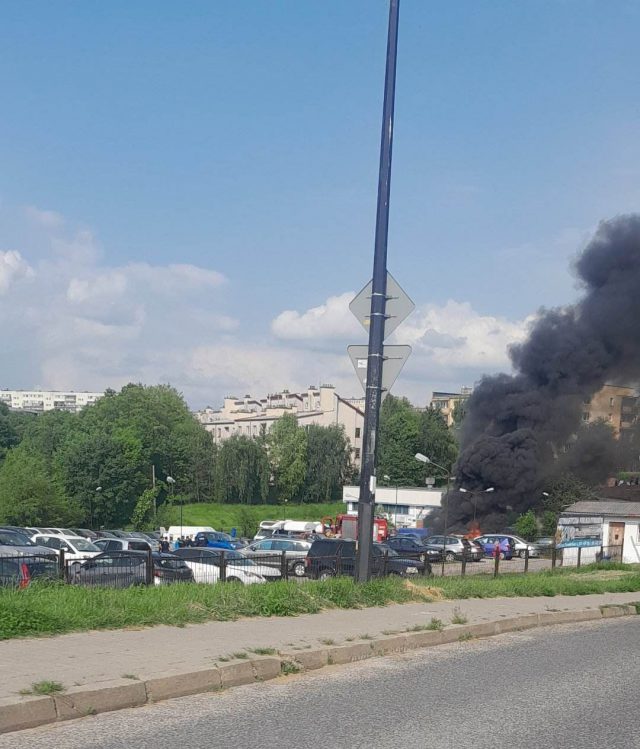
(423, 592)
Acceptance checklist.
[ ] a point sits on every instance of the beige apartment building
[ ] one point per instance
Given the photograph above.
(447, 402)
(249, 416)
(615, 404)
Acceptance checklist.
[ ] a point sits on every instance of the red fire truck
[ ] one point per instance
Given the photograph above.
(346, 526)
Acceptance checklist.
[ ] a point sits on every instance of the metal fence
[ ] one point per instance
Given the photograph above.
(204, 565)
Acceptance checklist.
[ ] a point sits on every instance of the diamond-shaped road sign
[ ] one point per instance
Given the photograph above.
(394, 359)
(398, 307)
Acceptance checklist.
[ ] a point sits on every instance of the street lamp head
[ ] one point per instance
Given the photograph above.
(464, 491)
(386, 478)
(422, 458)
(490, 489)
(170, 480)
(98, 488)
(545, 494)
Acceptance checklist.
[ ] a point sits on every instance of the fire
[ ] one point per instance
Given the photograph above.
(474, 531)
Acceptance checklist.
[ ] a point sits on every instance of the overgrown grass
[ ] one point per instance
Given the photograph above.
(43, 688)
(57, 608)
(227, 516)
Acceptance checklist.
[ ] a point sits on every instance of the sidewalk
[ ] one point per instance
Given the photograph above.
(90, 658)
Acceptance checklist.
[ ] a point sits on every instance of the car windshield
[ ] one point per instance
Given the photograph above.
(82, 544)
(170, 564)
(13, 538)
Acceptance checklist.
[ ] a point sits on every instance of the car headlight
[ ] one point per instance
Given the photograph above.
(412, 570)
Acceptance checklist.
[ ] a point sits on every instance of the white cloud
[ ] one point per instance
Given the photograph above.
(12, 268)
(45, 219)
(332, 319)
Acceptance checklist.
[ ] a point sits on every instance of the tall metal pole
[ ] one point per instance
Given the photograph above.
(366, 504)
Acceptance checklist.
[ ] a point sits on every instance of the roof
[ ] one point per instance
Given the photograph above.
(606, 507)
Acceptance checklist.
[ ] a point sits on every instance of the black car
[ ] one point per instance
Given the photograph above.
(409, 548)
(329, 557)
(122, 569)
(21, 571)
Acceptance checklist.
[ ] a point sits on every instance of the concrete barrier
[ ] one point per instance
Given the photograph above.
(266, 667)
(78, 702)
(28, 712)
(355, 651)
(236, 674)
(309, 660)
(181, 685)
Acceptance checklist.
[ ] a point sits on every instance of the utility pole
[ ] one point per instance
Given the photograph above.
(366, 504)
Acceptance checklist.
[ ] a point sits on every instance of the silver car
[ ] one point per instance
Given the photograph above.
(455, 548)
(269, 551)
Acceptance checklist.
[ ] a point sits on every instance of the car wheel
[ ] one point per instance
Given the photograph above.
(325, 575)
(450, 557)
(503, 555)
(234, 580)
(522, 553)
(298, 569)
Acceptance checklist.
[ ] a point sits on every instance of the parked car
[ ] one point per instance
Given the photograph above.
(409, 547)
(329, 557)
(18, 544)
(205, 565)
(489, 541)
(455, 547)
(269, 552)
(545, 544)
(122, 544)
(218, 540)
(21, 571)
(85, 533)
(75, 547)
(153, 542)
(520, 546)
(122, 569)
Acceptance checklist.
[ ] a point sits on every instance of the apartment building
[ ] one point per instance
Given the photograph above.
(446, 403)
(36, 401)
(615, 404)
(250, 416)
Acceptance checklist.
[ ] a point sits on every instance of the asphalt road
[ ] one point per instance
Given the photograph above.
(569, 687)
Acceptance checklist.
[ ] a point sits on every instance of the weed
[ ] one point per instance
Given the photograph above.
(366, 637)
(349, 639)
(458, 617)
(435, 624)
(390, 632)
(91, 711)
(133, 677)
(43, 688)
(289, 667)
(224, 659)
(240, 655)
(328, 641)
(465, 636)
(264, 651)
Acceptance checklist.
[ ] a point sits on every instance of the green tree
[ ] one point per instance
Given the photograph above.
(437, 441)
(398, 443)
(242, 471)
(288, 457)
(527, 526)
(328, 463)
(143, 517)
(559, 494)
(30, 495)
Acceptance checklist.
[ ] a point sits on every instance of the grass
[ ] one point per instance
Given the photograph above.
(240, 655)
(227, 516)
(328, 641)
(133, 677)
(434, 624)
(264, 651)
(287, 668)
(56, 608)
(43, 688)
(458, 617)
(465, 637)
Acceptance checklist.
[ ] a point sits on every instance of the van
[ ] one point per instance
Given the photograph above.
(188, 530)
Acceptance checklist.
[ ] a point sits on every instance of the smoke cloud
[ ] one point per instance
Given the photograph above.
(520, 429)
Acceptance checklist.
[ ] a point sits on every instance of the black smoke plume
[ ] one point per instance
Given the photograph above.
(520, 429)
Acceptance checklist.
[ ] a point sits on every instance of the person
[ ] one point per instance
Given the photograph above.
(164, 545)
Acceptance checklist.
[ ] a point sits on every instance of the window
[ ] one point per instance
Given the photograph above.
(611, 401)
(586, 416)
(610, 417)
(357, 433)
(356, 453)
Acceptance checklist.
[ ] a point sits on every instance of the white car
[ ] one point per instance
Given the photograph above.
(75, 548)
(205, 565)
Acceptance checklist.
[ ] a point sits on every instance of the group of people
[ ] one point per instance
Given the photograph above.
(169, 543)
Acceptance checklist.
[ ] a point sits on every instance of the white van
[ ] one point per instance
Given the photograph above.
(269, 528)
(187, 530)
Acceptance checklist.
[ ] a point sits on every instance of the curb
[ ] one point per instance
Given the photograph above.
(77, 702)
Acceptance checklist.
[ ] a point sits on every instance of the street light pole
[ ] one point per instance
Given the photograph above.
(423, 459)
(366, 505)
(171, 481)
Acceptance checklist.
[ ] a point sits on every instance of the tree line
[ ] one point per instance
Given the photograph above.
(108, 465)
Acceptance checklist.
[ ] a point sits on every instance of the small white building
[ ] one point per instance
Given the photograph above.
(406, 507)
(606, 528)
(37, 401)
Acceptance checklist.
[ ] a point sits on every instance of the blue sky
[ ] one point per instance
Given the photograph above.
(187, 191)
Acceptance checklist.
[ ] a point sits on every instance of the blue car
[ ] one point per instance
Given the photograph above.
(218, 540)
(488, 543)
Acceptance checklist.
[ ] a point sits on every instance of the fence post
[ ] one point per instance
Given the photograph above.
(579, 555)
(148, 568)
(553, 557)
(464, 562)
(223, 566)
(497, 564)
(284, 570)
(62, 565)
(526, 560)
